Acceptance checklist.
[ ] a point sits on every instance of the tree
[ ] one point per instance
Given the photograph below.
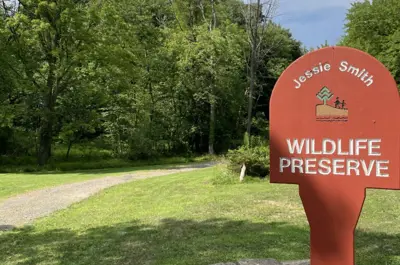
(50, 40)
(140, 78)
(80, 115)
(258, 16)
(374, 27)
(210, 63)
(324, 94)
(278, 51)
(324, 45)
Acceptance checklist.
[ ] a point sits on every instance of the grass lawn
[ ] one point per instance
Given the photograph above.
(185, 219)
(13, 184)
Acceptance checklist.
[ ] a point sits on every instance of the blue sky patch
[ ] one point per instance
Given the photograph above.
(314, 21)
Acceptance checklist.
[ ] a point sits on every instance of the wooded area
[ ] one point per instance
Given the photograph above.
(157, 78)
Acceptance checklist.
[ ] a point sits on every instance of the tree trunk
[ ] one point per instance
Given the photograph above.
(69, 149)
(251, 91)
(213, 101)
(46, 139)
(214, 14)
(46, 127)
(211, 138)
(253, 28)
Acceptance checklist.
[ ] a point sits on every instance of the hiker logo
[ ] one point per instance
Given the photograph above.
(326, 112)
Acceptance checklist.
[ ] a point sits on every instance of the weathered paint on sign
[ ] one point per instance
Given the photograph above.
(335, 131)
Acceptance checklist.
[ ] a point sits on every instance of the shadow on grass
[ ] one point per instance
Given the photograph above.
(178, 242)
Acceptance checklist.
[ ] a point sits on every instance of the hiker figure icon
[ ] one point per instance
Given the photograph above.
(343, 104)
(337, 103)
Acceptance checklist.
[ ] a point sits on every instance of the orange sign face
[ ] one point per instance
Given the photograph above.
(335, 131)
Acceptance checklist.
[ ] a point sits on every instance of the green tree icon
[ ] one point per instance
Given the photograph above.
(324, 95)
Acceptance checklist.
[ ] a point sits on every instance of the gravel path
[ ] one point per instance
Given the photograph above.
(24, 209)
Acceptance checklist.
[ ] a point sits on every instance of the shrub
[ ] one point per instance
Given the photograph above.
(256, 159)
(225, 176)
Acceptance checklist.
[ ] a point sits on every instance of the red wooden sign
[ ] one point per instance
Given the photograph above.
(335, 131)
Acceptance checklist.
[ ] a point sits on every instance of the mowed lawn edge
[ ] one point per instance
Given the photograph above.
(12, 184)
(185, 219)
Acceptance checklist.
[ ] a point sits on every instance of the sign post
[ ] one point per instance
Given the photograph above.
(335, 131)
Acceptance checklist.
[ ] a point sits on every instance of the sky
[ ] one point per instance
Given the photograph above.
(314, 21)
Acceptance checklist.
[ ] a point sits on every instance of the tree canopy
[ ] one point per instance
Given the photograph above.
(139, 78)
(374, 27)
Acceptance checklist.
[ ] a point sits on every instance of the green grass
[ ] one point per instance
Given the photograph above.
(87, 161)
(13, 184)
(185, 219)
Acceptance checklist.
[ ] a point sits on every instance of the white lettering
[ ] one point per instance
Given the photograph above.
(307, 146)
(359, 146)
(298, 85)
(364, 76)
(297, 163)
(367, 170)
(362, 72)
(348, 166)
(343, 66)
(325, 168)
(327, 67)
(353, 165)
(313, 151)
(310, 73)
(325, 148)
(380, 167)
(340, 152)
(336, 166)
(311, 163)
(369, 81)
(295, 147)
(371, 146)
(283, 163)
(351, 147)
(354, 70)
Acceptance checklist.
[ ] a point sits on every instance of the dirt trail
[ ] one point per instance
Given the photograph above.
(25, 208)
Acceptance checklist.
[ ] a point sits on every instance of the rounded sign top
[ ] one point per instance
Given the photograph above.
(335, 116)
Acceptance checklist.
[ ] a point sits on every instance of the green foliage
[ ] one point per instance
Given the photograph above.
(141, 79)
(225, 175)
(278, 50)
(255, 157)
(260, 124)
(324, 45)
(246, 140)
(374, 27)
(84, 158)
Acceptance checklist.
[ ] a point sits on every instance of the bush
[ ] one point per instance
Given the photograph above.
(255, 158)
(142, 149)
(225, 176)
(17, 160)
